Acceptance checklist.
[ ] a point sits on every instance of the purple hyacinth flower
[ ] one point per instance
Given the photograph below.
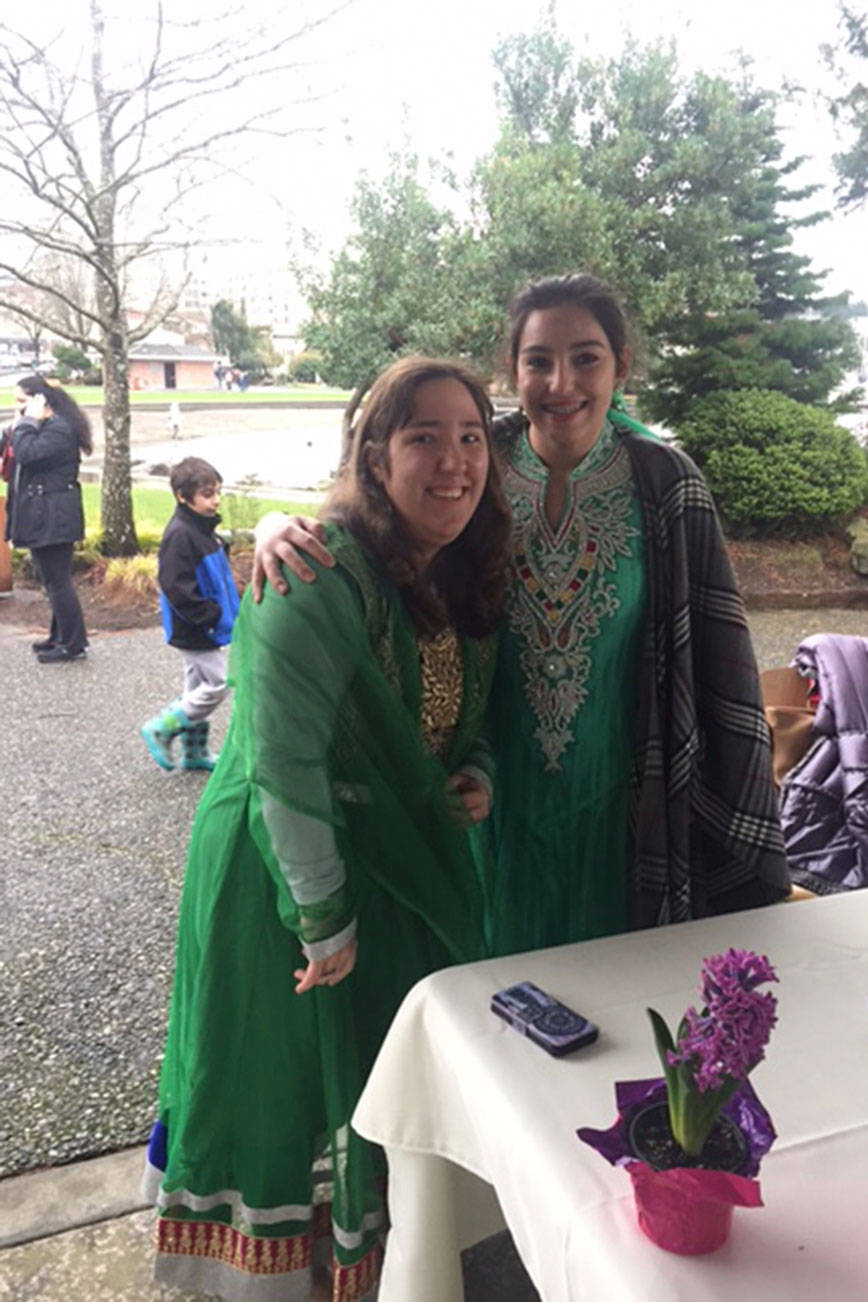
(728, 1038)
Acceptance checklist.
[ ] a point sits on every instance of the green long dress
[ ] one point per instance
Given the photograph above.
(259, 1166)
(563, 702)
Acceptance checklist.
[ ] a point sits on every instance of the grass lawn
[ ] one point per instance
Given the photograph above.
(91, 396)
(153, 506)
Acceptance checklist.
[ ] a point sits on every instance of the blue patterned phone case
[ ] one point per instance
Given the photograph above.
(543, 1019)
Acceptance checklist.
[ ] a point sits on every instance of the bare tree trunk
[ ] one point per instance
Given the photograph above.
(116, 500)
(118, 530)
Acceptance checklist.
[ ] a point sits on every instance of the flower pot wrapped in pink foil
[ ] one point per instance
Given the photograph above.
(686, 1209)
(693, 1141)
(689, 1211)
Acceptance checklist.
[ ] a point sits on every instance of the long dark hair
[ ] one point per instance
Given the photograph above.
(466, 582)
(578, 290)
(62, 405)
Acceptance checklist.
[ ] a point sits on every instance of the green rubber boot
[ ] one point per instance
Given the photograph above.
(194, 747)
(161, 731)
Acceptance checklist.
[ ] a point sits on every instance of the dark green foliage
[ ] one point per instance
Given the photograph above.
(784, 334)
(251, 364)
(71, 362)
(617, 174)
(849, 61)
(671, 187)
(304, 368)
(395, 288)
(774, 466)
(231, 334)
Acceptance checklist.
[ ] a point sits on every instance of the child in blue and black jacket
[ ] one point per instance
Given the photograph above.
(199, 602)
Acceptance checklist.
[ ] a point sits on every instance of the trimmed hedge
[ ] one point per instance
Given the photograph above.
(775, 466)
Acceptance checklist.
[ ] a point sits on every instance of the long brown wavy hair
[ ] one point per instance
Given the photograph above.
(465, 583)
(62, 405)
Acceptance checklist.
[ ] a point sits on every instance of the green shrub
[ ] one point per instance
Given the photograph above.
(241, 510)
(304, 367)
(774, 465)
(70, 362)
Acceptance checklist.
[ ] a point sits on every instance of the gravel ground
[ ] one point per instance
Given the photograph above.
(93, 836)
(93, 839)
(777, 633)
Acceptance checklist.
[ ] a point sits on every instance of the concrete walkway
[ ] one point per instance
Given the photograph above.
(78, 1233)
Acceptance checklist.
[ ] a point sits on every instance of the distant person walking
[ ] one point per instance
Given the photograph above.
(199, 602)
(175, 420)
(44, 510)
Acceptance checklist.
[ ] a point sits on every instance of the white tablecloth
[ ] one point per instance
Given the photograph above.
(456, 1090)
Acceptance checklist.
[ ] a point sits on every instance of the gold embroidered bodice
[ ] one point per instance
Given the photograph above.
(565, 592)
(442, 672)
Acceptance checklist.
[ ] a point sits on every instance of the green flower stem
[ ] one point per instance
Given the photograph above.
(691, 1114)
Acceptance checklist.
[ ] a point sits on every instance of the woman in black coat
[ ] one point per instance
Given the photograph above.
(44, 506)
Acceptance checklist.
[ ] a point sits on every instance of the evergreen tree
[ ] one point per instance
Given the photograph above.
(229, 329)
(848, 60)
(395, 286)
(600, 167)
(790, 337)
(673, 189)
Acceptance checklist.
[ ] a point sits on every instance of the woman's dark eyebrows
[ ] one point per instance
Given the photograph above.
(576, 343)
(434, 422)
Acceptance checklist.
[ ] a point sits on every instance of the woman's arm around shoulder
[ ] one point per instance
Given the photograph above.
(278, 538)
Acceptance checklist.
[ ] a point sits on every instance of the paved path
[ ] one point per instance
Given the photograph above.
(93, 838)
(92, 841)
(286, 449)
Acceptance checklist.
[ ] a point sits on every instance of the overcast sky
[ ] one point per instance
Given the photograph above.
(401, 71)
(425, 74)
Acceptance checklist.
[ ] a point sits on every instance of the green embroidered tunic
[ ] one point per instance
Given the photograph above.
(564, 701)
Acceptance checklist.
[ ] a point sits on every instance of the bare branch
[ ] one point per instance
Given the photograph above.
(48, 240)
(73, 336)
(43, 288)
(157, 314)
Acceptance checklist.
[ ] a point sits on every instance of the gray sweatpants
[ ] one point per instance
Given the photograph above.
(205, 682)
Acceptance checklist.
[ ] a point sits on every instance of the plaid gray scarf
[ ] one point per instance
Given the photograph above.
(705, 833)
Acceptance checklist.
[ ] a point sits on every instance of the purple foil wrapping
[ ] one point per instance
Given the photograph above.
(744, 1109)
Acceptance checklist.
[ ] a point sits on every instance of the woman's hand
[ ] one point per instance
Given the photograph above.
(35, 406)
(277, 537)
(327, 971)
(473, 795)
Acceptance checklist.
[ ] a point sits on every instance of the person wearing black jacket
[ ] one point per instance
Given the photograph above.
(199, 602)
(44, 511)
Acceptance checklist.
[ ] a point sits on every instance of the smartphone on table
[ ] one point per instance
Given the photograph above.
(543, 1019)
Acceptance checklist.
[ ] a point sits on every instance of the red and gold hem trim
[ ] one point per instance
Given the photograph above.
(255, 1255)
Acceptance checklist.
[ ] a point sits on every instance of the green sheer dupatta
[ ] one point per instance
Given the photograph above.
(327, 721)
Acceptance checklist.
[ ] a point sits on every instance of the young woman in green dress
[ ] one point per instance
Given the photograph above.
(633, 769)
(330, 864)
